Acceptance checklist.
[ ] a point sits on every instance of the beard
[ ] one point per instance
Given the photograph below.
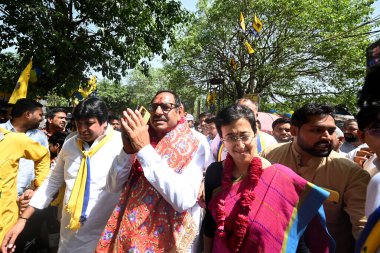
(34, 126)
(313, 150)
(351, 138)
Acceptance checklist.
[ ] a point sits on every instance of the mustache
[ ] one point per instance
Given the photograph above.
(323, 142)
(163, 118)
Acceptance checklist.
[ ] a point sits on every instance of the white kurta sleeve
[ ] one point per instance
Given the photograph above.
(179, 190)
(44, 194)
(119, 172)
(373, 195)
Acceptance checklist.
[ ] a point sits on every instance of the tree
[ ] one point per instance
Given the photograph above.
(115, 95)
(69, 39)
(143, 87)
(8, 71)
(181, 83)
(138, 89)
(306, 50)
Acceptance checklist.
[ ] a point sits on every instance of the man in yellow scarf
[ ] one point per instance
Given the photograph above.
(82, 167)
(14, 146)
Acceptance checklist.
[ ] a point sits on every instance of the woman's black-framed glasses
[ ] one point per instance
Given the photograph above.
(165, 107)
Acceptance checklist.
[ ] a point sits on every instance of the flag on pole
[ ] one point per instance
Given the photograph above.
(242, 21)
(252, 31)
(233, 63)
(89, 88)
(22, 85)
(249, 47)
(256, 23)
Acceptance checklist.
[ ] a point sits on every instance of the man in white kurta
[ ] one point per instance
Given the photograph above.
(152, 178)
(101, 202)
(91, 130)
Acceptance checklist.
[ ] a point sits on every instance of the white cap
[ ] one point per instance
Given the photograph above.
(189, 117)
(338, 132)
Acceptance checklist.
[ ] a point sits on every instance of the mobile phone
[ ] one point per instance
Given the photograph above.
(145, 114)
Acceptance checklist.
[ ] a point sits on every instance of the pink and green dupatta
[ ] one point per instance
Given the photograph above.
(285, 208)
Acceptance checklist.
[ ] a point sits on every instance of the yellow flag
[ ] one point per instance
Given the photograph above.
(91, 87)
(92, 83)
(242, 21)
(256, 23)
(233, 63)
(22, 85)
(249, 47)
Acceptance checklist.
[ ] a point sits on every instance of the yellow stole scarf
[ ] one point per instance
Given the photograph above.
(79, 196)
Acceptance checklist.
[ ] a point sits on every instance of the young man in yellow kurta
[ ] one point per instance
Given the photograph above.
(14, 146)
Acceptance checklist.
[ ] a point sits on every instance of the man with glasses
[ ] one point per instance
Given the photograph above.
(157, 209)
(311, 156)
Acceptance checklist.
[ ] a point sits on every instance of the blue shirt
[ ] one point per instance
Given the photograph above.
(26, 167)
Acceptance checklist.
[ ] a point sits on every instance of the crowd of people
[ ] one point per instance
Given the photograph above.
(119, 184)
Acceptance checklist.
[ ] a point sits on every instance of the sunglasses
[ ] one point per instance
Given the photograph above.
(165, 107)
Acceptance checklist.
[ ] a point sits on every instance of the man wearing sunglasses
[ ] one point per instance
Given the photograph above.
(160, 169)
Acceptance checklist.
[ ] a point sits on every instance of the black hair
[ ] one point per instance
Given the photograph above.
(367, 116)
(370, 93)
(280, 121)
(58, 137)
(205, 115)
(177, 100)
(24, 105)
(347, 122)
(301, 115)
(233, 113)
(51, 113)
(91, 108)
(211, 119)
(113, 117)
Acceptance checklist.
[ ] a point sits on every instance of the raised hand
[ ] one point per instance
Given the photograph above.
(135, 131)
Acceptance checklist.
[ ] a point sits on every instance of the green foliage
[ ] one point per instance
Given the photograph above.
(138, 89)
(8, 71)
(182, 84)
(307, 50)
(69, 39)
(53, 99)
(116, 96)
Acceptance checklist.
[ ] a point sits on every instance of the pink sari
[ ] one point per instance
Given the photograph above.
(285, 205)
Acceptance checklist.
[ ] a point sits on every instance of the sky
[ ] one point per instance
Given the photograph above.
(376, 5)
(189, 4)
